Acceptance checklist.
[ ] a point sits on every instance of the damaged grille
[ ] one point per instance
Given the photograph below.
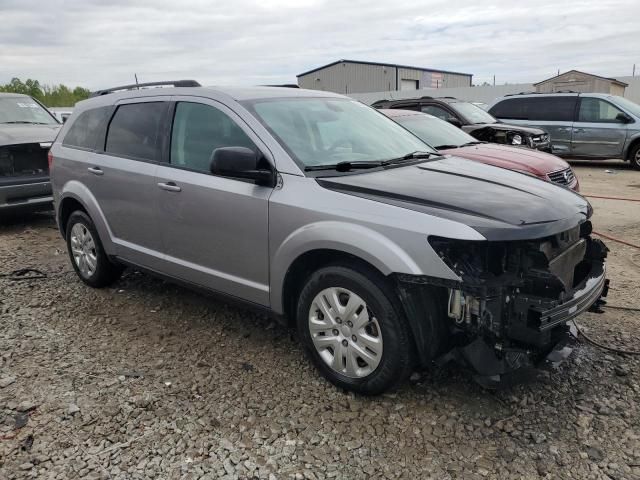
(562, 177)
(23, 160)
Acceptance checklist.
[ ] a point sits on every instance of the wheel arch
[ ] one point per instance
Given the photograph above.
(633, 143)
(76, 196)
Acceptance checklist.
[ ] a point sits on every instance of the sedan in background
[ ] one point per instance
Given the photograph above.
(448, 139)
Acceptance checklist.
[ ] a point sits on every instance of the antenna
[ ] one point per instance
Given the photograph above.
(135, 75)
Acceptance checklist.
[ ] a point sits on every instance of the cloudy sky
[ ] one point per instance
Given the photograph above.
(97, 43)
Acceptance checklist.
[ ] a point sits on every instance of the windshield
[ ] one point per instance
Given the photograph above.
(434, 131)
(327, 131)
(628, 105)
(24, 110)
(472, 113)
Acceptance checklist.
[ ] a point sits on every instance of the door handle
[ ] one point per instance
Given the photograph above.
(96, 170)
(169, 187)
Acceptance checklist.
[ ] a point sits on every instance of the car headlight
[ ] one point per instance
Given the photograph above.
(516, 139)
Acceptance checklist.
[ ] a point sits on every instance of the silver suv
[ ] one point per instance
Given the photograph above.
(582, 125)
(332, 217)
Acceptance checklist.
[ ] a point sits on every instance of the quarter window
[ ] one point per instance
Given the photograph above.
(436, 112)
(597, 111)
(540, 109)
(198, 130)
(134, 130)
(85, 129)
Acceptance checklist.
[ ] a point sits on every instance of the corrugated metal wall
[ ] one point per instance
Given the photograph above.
(348, 78)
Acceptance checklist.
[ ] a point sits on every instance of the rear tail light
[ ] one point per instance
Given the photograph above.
(49, 160)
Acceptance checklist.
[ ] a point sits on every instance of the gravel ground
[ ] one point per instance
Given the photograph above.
(149, 380)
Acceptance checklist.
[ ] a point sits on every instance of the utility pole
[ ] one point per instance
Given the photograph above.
(494, 80)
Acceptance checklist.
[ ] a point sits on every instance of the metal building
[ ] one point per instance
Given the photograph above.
(577, 81)
(352, 76)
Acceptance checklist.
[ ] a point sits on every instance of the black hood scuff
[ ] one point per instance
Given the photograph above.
(498, 203)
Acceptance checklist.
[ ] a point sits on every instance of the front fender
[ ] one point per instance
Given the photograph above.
(79, 192)
(367, 244)
(631, 140)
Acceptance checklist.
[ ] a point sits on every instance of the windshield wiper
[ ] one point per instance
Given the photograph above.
(471, 143)
(446, 147)
(26, 122)
(344, 166)
(409, 156)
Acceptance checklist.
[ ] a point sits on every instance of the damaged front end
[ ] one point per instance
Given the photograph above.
(511, 307)
(500, 133)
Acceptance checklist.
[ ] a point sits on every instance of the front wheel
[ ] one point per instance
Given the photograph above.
(88, 258)
(634, 157)
(353, 329)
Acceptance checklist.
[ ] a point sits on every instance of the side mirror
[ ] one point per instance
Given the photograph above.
(241, 162)
(623, 118)
(454, 121)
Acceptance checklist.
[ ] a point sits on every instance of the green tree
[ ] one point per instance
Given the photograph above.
(50, 95)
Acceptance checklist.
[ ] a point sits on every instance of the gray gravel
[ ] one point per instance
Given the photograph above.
(149, 380)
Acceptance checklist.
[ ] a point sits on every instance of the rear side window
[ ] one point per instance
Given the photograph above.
(198, 130)
(550, 109)
(86, 128)
(134, 130)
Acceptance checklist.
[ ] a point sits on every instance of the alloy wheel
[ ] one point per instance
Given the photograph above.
(83, 249)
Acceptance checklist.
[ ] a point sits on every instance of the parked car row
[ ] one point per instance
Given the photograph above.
(384, 251)
(581, 125)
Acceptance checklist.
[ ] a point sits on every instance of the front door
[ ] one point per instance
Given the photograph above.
(597, 131)
(214, 229)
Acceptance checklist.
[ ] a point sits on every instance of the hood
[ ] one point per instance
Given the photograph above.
(498, 203)
(525, 159)
(505, 127)
(12, 134)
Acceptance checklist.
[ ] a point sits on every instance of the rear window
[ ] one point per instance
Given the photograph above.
(133, 131)
(550, 109)
(85, 129)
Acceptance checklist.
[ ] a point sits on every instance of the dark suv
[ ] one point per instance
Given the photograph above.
(473, 120)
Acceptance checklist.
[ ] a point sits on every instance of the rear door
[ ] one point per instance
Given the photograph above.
(122, 177)
(597, 132)
(215, 230)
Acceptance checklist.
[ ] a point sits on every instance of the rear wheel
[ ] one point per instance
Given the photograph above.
(353, 329)
(88, 258)
(634, 157)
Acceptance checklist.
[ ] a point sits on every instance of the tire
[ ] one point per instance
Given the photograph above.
(634, 156)
(371, 347)
(86, 253)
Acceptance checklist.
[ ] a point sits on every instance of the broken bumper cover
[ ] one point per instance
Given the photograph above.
(548, 314)
(503, 322)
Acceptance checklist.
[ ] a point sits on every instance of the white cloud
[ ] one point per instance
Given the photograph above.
(95, 44)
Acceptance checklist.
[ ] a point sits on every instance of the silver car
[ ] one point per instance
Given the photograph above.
(329, 216)
(582, 125)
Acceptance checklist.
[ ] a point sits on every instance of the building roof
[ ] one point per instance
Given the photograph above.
(393, 65)
(613, 80)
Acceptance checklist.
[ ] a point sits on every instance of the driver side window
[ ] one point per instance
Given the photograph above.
(438, 112)
(198, 130)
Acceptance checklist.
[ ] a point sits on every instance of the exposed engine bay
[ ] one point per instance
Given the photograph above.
(500, 133)
(29, 159)
(515, 298)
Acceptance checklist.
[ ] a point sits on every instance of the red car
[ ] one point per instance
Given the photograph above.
(446, 138)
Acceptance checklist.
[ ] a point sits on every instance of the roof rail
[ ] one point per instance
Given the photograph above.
(284, 85)
(138, 86)
(540, 93)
